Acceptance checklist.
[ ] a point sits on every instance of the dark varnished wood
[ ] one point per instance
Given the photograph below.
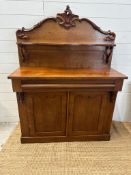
(66, 89)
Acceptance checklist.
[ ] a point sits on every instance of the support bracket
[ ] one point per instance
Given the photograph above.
(112, 96)
(107, 53)
(20, 96)
(23, 52)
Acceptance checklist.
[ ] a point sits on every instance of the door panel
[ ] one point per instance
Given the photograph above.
(46, 113)
(86, 111)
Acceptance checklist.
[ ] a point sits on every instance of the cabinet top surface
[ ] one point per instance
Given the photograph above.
(46, 73)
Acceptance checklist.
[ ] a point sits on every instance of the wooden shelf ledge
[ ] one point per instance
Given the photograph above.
(66, 44)
(43, 73)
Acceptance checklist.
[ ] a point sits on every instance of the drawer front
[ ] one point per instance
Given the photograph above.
(46, 85)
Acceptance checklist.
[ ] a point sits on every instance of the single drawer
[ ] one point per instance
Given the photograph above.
(45, 85)
(41, 87)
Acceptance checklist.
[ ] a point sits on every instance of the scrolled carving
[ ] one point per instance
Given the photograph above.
(67, 19)
(21, 34)
(110, 36)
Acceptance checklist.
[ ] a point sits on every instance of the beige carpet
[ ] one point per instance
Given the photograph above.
(76, 158)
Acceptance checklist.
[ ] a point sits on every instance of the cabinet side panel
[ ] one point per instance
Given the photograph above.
(108, 110)
(23, 115)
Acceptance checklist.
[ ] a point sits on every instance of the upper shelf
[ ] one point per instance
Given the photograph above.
(67, 44)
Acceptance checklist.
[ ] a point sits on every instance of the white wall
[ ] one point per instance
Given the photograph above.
(108, 14)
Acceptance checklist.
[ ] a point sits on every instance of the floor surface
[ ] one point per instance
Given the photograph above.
(5, 131)
(69, 158)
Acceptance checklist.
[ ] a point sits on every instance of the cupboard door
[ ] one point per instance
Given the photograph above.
(87, 112)
(46, 112)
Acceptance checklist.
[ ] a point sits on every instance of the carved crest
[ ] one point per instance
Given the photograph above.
(110, 36)
(67, 19)
(21, 34)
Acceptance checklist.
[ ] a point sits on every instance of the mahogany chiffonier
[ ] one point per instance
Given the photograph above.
(65, 86)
